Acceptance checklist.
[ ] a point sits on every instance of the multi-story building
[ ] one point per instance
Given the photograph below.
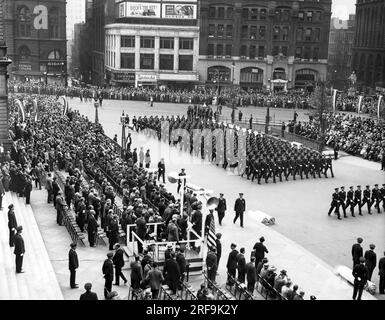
(153, 43)
(341, 41)
(35, 33)
(278, 44)
(81, 56)
(76, 13)
(369, 43)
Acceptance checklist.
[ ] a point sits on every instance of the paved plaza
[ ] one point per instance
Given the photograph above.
(300, 207)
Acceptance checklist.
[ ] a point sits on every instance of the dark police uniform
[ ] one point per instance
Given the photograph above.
(239, 208)
(335, 203)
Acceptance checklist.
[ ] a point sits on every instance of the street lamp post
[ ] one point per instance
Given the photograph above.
(96, 105)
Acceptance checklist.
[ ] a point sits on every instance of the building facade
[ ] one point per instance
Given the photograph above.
(264, 44)
(369, 43)
(76, 13)
(153, 43)
(35, 33)
(341, 40)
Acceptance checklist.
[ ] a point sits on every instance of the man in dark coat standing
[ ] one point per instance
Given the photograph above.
(370, 261)
(221, 208)
(88, 295)
(118, 261)
(181, 261)
(219, 246)
(259, 250)
(241, 262)
(161, 170)
(381, 273)
(360, 273)
(12, 224)
(19, 249)
(73, 264)
(108, 271)
(136, 273)
(172, 273)
(251, 275)
(59, 203)
(357, 252)
(239, 208)
(232, 263)
(211, 264)
(55, 189)
(92, 228)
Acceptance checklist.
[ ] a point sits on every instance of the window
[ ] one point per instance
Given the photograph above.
(262, 32)
(298, 52)
(261, 51)
(284, 51)
(166, 43)
(53, 23)
(253, 14)
(166, 62)
(146, 61)
(127, 41)
(285, 33)
(186, 43)
(147, 42)
(307, 53)
(262, 14)
(276, 32)
(285, 15)
(127, 60)
(186, 62)
(252, 52)
(24, 53)
(253, 32)
(245, 13)
(229, 49)
(210, 49)
(54, 55)
(212, 12)
(229, 31)
(221, 12)
(275, 51)
(315, 54)
(211, 30)
(24, 22)
(299, 34)
(243, 51)
(309, 16)
(317, 34)
(301, 16)
(221, 29)
(308, 34)
(229, 13)
(244, 31)
(219, 50)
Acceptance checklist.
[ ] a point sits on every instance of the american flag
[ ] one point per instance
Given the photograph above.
(211, 236)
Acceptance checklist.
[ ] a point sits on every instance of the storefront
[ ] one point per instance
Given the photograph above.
(146, 80)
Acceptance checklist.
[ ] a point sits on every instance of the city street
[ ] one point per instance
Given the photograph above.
(300, 207)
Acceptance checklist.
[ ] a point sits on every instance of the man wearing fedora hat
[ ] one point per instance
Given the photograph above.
(19, 249)
(73, 264)
(371, 260)
(239, 208)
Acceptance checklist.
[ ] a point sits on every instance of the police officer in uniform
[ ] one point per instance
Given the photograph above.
(350, 200)
(335, 203)
(342, 195)
(239, 208)
(382, 194)
(358, 199)
(221, 208)
(376, 197)
(367, 200)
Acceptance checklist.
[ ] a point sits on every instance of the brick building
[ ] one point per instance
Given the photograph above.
(341, 40)
(369, 43)
(35, 33)
(273, 44)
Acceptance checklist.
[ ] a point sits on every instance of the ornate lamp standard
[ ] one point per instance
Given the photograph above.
(4, 110)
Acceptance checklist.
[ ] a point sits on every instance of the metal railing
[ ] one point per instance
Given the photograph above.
(185, 293)
(215, 290)
(267, 291)
(238, 289)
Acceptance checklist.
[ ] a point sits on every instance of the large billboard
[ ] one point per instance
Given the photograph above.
(139, 10)
(179, 11)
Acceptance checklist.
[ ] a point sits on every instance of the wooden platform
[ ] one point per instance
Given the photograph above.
(39, 281)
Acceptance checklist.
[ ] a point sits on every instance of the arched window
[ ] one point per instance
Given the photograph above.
(251, 75)
(54, 55)
(219, 73)
(53, 23)
(24, 53)
(23, 22)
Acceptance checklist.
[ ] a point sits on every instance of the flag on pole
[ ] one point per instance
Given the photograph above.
(379, 105)
(360, 98)
(334, 99)
(211, 236)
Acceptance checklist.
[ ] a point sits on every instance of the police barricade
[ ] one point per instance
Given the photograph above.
(346, 274)
(263, 217)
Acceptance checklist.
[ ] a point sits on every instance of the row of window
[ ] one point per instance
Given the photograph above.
(164, 42)
(24, 22)
(166, 61)
(254, 13)
(308, 34)
(307, 53)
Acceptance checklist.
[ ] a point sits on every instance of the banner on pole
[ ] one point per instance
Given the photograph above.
(380, 98)
(334, 99)
(360, 98)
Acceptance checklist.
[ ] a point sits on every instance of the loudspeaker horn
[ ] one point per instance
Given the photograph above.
(212, 203)
(173, 177)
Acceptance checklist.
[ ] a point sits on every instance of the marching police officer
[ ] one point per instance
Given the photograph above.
(221, 208)
(382, 194)
(342, 195)
(358, 199)
(367, 200)
(239, 208)
(376, 197)
(350, 200)
(335, 204)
